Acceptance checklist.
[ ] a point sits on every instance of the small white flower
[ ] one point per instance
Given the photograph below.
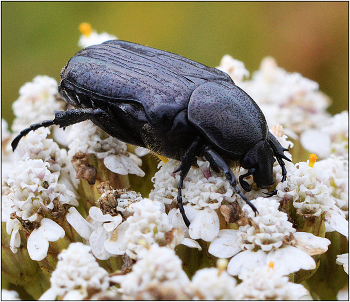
(87, 138)
(234, 68)
(91, 37)
(267, 283)
(125, 200)
(156, 268)
(35, 193)
(203, 192)
(266, 238)
(37, 102)
(287, 98)
(108, 235)
(36, 145)
(77, 275)
(343, 260)
(7, 157)
(213, 284)
(9, 295)
(309, 189)
(331, 138)
(96, 230)
(140, 151)
(337, 169)
(148, 225)
(38, 241)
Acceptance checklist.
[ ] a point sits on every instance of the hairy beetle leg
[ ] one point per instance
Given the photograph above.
(217, 161)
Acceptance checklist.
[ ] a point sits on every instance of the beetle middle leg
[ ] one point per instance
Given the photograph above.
(186, 163)
(217, 161)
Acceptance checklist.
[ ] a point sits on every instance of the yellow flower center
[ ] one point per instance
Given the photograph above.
(85, 28)
(312, 159)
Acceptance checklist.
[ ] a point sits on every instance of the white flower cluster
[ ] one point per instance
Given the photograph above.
(234, 68)
(9, 295)
(343, 260)
(91, 37)
(157, 274)
(148, 225)
(77, 275)
(37, 102)
(36, 145)
(35, 193)
(203, 192)
(109, 235)
(261, 250)
(7, 157)
(337, 169)
(287, 98)
(87, 138)
(331, 138)
(265, 283)
(267, 237)
(213, 284)
(309, 189)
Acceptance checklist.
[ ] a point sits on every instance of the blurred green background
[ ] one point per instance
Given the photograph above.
(38, 38)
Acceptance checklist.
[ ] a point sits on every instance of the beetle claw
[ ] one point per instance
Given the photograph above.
(272, 193)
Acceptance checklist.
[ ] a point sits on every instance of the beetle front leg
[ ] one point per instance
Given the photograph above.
(243, 183)
(62, 119)
(217, 161)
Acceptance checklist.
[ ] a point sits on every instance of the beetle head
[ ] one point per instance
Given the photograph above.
(261, 159)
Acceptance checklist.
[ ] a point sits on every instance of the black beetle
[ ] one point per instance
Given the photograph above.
(176, 107)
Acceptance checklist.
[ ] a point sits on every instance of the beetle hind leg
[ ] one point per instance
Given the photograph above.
(217, 161)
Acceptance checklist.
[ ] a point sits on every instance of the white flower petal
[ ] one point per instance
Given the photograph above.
(49, 295)
(343, 260)
(37, 245)
(205, 225)
(76, 295)
(225, 245)
(337, 222)
(191, 243)
(97, 239)
(122, 164)
(177, 220)
(77, 221)
(96, 214)
(110, 226)
(114, 164)
(115, 244)
(15, 240)
(316, 141)
(311, 244)
(246, 260)
(290, 259)
(51, 230)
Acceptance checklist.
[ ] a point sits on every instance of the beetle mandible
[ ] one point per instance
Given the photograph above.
(174, 106)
